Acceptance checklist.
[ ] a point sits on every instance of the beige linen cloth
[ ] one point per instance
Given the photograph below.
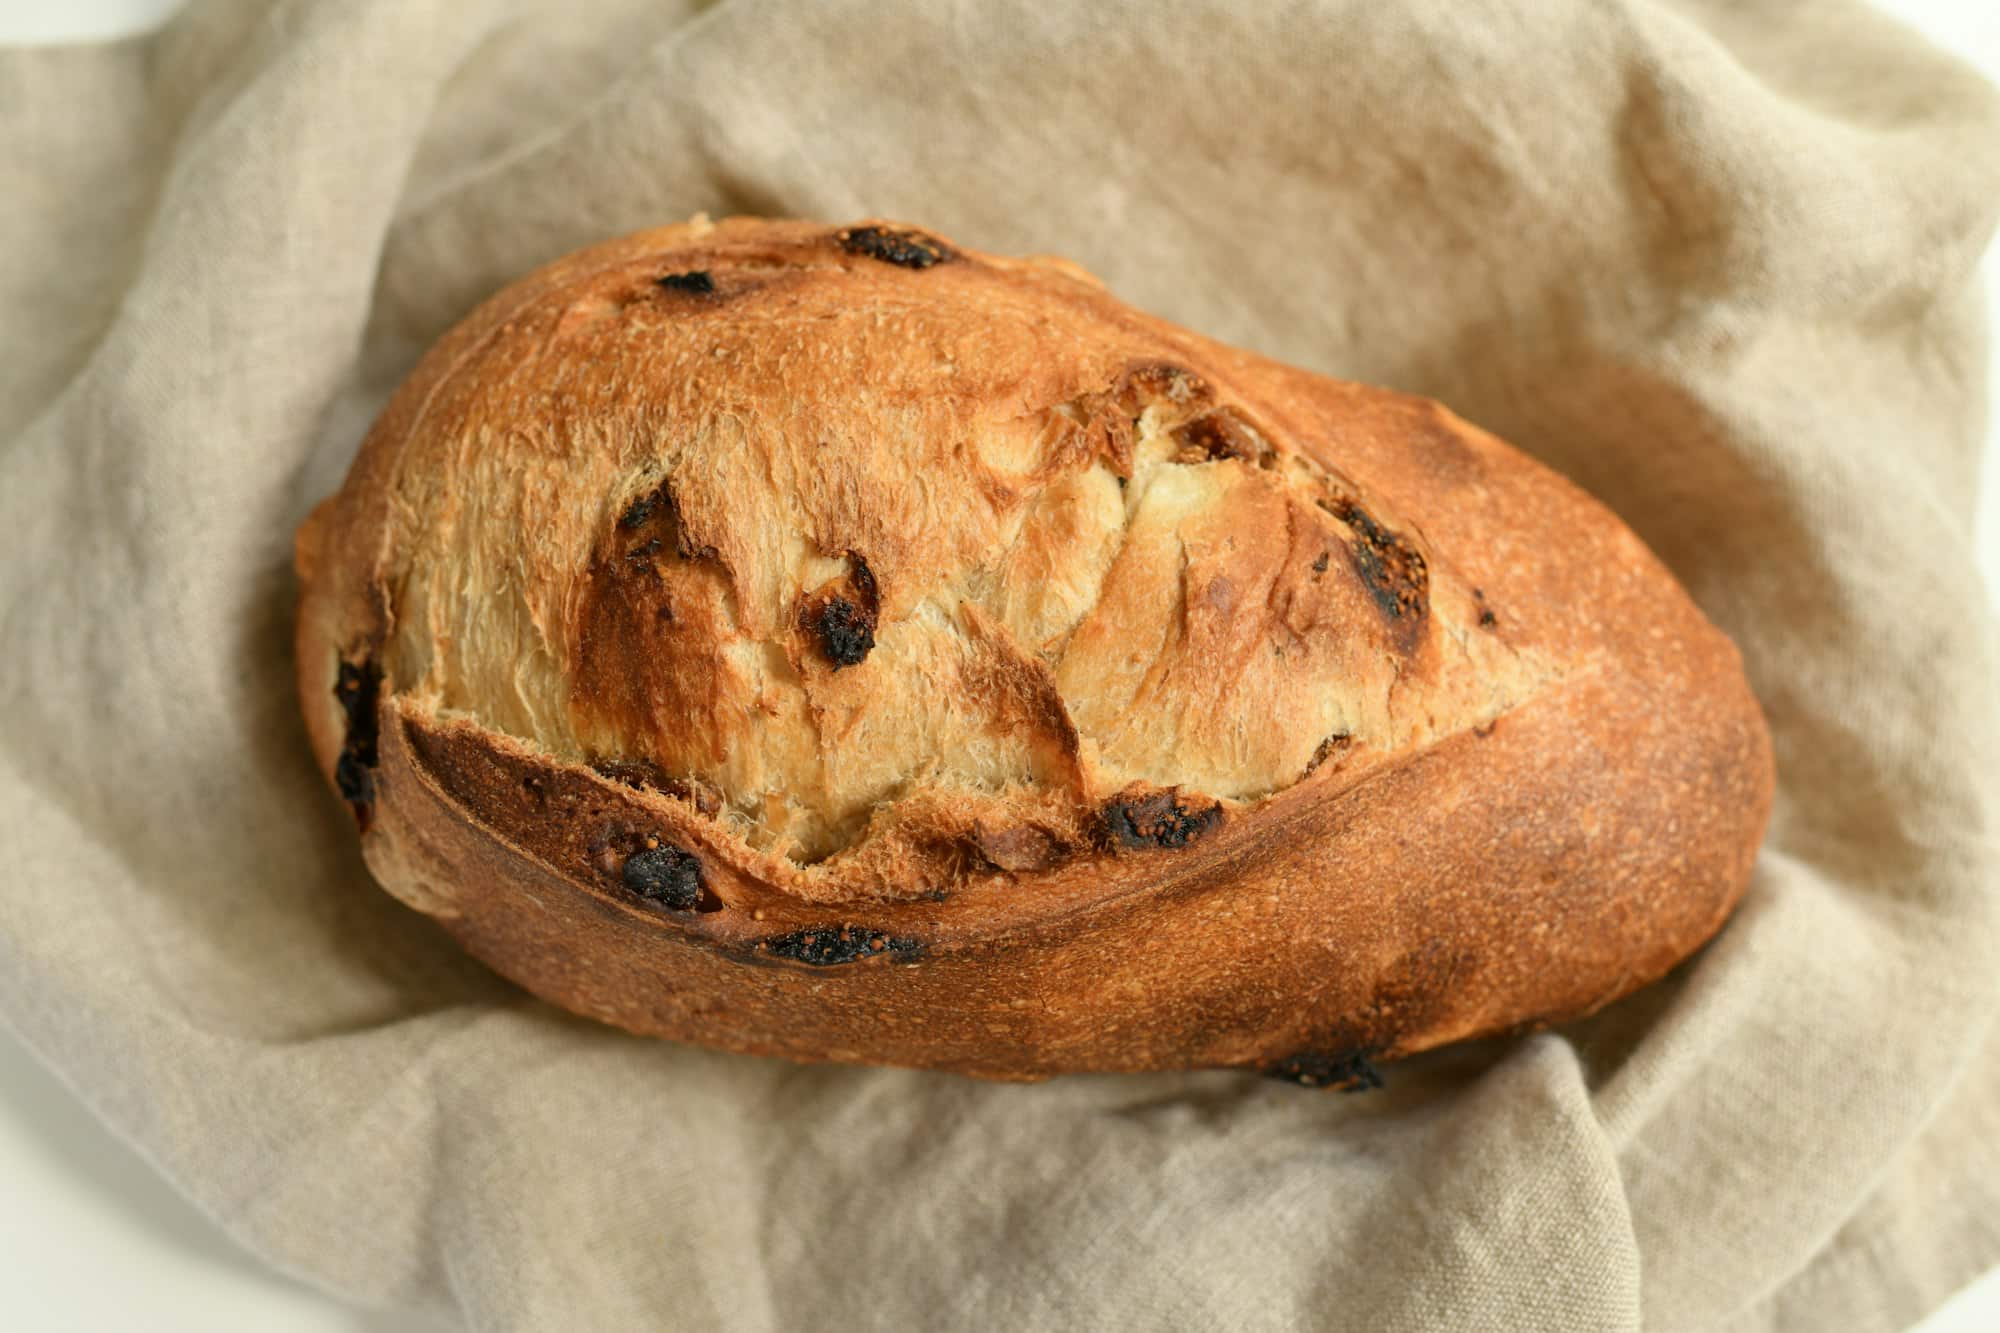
(1712, 261)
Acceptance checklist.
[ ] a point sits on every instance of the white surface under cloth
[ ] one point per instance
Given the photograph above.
(94, 1239)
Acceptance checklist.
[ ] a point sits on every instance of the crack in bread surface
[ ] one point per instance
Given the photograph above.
(975, 553)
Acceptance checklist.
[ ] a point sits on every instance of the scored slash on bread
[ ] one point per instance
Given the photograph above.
(834, 643)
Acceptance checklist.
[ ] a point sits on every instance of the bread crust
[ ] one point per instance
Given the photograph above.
(1551, 790)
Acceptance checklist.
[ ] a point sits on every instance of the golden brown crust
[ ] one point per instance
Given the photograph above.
(831, 643)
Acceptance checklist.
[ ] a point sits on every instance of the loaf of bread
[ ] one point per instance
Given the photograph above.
(832, 643)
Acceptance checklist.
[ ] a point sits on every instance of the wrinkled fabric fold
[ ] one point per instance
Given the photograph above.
(1713, 261)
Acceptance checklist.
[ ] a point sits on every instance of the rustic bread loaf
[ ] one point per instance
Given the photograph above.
(832, 643)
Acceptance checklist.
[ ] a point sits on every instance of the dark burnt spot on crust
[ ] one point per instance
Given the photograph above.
(1393, 569)
(902, 246)
(1389, 566)
(1319, 563)
(1487, 620)
(651, 868)
(1136, 820)
(845, 634)
(840, 617)
(1349, 1071)
(358, 687)
(695, 282)
(665, 875)
(831, 946)
(1327, 749)
(1219, 434)
(640, 510)
(652, 521)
